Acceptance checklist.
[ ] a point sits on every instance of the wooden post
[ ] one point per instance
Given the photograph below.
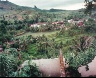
(62, 68)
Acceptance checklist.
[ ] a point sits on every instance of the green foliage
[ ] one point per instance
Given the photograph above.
(42, 47)
(8, 65)
(81, 58)
(12, 51)
(90, 6)
(90, 26)
(28, 71)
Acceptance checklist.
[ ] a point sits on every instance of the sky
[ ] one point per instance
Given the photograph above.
(48, 4)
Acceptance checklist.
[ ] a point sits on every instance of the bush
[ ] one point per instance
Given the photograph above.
(28, 71)
(12, 51)
(91, 29)
(77, 60)
(8, 65)
(81, 58)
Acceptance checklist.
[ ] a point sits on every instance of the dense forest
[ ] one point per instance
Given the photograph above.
(31, 34)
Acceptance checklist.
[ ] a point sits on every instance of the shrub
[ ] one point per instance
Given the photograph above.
(7, 65)
(28, 71)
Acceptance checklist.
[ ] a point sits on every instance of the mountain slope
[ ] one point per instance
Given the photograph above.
(7, 5)
(11, 11)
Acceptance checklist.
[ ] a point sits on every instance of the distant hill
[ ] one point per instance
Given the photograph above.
(44, 10)
(11, 11)
(56, 10)
(7, 5)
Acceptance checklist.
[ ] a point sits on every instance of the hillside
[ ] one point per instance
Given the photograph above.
(56, 10)
(11, 11)
(7, 5)
(30, 34)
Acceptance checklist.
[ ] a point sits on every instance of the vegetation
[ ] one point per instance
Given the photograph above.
(20, 42)
(90, 6)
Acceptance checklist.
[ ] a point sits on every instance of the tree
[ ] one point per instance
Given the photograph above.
(90, 6)
(4, 34)
(35, 6)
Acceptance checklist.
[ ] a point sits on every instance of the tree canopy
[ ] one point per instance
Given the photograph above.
(90, 6)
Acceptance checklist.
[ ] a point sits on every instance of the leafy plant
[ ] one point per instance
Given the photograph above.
(8, 65)
(28, 71)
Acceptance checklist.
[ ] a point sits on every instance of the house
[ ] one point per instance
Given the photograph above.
(38, 24)
(54, 23)
(58, 23)
(70, 21)
(34, 25)
(77, 22)
(80, 23)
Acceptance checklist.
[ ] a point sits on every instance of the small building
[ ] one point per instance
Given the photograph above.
(80, 23)
(38, 24)
(34, 25)
(58, 23)
(54, 23)
(70, 21)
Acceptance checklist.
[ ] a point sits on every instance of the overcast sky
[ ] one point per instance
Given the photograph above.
(48, 4)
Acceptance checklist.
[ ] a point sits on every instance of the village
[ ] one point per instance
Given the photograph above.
(56, 26)
(37, 42)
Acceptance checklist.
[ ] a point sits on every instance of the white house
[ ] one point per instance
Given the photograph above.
(35, 25)
(38, 24)
(70, 21)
